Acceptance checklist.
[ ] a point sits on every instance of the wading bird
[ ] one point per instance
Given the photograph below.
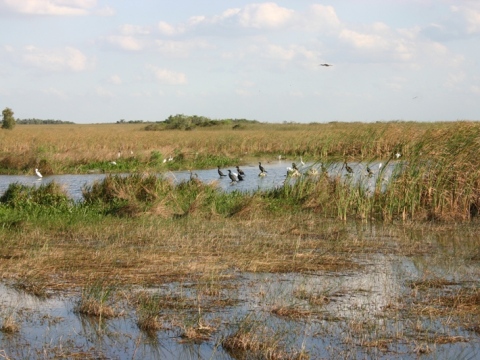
(220, 172)
(240, 177)
(294, 166)
(262, 169)
(348, 168)
(194, 177)
(232, 176)
(240, 171)
(293, 172)
(301, 161)
(38, 173)
(369, 171)
(312, 171)
(397, 155)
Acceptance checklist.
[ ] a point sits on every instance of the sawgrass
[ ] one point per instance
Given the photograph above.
(82, 148)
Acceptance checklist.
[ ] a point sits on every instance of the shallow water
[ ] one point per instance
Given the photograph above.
(356, 310)
(276, 176)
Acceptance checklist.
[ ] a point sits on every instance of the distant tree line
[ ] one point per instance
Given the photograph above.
(190, 122)
(123, 121)
(40, 121)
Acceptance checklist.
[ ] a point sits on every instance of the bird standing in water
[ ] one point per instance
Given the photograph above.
(240, 171)
(38, 173)
(262, 169)
(232, 176)
(348, 168)
(220, 172)
(369, 171)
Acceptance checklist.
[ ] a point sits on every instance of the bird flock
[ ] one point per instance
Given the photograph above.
(293, 171)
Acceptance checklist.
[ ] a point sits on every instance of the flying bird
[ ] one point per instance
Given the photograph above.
(326, 65)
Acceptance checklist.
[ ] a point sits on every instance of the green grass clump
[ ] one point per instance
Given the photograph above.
(95, 300)
(46, 195)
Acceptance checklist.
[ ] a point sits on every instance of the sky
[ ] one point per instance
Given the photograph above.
(100, 61)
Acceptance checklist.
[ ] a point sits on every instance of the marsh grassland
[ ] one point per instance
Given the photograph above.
(318, 268)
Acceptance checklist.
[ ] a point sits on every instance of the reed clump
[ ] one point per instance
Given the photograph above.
(95, 300)
(149, 307)
(46, 195)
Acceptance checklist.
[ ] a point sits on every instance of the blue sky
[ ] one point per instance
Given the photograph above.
(92, 61)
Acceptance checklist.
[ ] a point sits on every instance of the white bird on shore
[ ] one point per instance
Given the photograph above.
(38, 173)
(397, 155)
(301, 161)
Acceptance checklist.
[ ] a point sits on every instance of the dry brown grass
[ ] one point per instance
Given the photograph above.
(10, 325)
(158, 251)
(52, 147)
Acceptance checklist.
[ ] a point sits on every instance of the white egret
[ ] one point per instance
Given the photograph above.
(38, 173)
(301, 161)
(397, 155)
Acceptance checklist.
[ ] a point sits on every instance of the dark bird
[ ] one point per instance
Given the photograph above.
(369, 172)
(326, 65)
(262, 169)
(194, 177)
(232, 176)
(220, 172)
(240, 177)
(240, 171)
(294, 166)
(348, 168)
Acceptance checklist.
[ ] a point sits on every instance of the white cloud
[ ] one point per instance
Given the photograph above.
(320, 17)
(68, 58)
(50, 7)
(166, 29)
(129, 30)
(266, 15)
(129, 43)
(168, 77)
(471, 14)
(363, 40)
(180, 48)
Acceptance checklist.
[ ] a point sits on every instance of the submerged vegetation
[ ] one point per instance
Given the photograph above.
(264, 274)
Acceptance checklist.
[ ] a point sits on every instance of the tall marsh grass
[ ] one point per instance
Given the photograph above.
(82, 148)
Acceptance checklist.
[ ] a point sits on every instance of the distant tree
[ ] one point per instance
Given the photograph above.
(8, 119)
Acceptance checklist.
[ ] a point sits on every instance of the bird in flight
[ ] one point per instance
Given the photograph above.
(326, 65)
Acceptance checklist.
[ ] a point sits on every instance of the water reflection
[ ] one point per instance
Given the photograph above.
(277, 173)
